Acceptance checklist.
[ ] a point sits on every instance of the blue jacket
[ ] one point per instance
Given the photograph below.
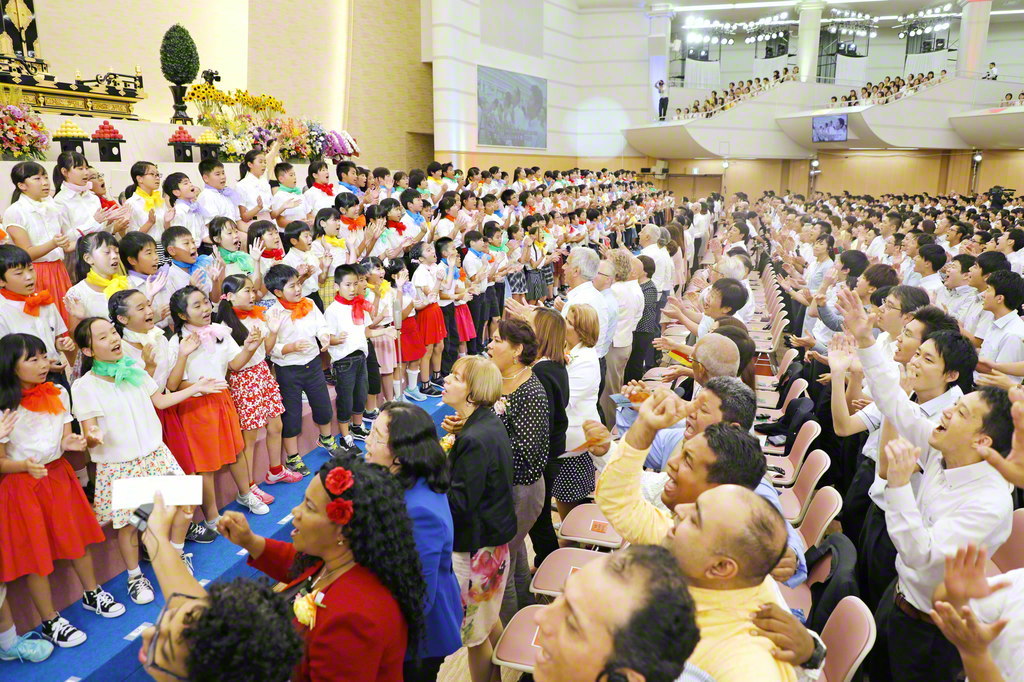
(433, 531)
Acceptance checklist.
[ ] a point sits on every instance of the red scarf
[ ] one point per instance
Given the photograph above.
(273, 254)
(359, 306)
(326, 188)
(298, 309)
(354, 223)
(452, 218)
(44, 397)
(33, 302)
(106, 203)
(398, 226)
(255, 312)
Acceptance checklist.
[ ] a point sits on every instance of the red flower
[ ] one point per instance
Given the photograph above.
(339, 479)
(340, 511)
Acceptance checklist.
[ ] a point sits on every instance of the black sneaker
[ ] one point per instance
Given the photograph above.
(371, 416)
(430, 390)
(102, 603)
(295, 463)
(62, 633)
(140, 590)
(437, 382)
(358, 432)
(201, 533)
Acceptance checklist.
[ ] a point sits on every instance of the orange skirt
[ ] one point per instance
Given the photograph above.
(53, 276)
(212, 430)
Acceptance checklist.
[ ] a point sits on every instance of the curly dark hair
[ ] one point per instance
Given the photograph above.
(380, 535)
(245, 633)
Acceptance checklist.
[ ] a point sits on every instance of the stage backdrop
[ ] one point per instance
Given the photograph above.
(512, 109)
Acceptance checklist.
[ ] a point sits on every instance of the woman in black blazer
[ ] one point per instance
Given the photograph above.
(549, 326)
(480, 496)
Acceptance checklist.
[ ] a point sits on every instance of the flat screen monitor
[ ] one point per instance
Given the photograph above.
(829, 128)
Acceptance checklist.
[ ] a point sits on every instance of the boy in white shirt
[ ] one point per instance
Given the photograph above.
(287, 204)
(187, 266)
(217, 199)
(188, 212)
(298, 237)
(347, 318)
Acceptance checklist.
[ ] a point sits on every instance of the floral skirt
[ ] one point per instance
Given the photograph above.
(160, 462)
(482, 576)
(256, 395)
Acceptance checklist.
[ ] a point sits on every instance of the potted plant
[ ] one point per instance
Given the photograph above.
(179, 61)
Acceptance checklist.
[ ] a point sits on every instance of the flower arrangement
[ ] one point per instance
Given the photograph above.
(338, 144)
(448, 442)
(317, 137)
(22, 133)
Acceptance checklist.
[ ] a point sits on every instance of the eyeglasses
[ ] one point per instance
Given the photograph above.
(174, 602)
(154, 173)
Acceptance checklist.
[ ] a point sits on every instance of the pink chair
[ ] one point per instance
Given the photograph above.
(791, 463)
(517, 648)
(824, 508)
(848, 635)
(799, 597)
(1011, 555)
(772, 382)
(795, 390)
(586, 525)
(796, 500)
(558, 566)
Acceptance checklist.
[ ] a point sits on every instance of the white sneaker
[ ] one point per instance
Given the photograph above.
(255, 504)
(187, 560)
(140, 590)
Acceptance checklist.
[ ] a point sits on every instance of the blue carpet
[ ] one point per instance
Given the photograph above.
(111, 652)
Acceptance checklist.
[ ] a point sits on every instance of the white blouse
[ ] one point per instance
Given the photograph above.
(249, 188)
(79, 210)
(584, 370)
(38, 434)
(42, 220)
(138, 215)
(95, 302)
(208, 362)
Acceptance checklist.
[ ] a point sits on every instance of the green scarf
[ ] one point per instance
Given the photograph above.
(293, 190)
(239, 258)
(500, 249)
(123, 370)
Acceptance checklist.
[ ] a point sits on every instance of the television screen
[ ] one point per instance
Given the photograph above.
(829, 128)
(512, 109)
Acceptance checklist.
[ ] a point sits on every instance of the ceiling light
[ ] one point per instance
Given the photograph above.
(725, 164)
(927, 29)
(977, 157)
(947, 7)
(706, 39)
(784, 15)
(873, 34)
(714, 40)
(902, 35)
(815, 163)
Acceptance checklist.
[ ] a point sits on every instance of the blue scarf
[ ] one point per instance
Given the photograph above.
(190, 268)
(478, 254)
(457, 270)
(416, 218)
(352, 188)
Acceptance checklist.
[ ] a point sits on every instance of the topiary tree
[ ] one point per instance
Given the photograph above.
(179, 58)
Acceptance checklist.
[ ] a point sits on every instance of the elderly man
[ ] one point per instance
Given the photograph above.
(653, 240)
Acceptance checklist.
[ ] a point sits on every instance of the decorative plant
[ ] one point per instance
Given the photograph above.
(179, 58)
(22, 133)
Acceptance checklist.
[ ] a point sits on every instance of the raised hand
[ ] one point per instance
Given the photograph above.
(254, 339)
(188, 345)
(149, 355)
(901, 462)
(197, 278)
(970, 636)
(257, 249)
(75, 307)
(169, 215)
(275, 319)
(235, 528)
(156, 285)
(65, 344)
(598, 438)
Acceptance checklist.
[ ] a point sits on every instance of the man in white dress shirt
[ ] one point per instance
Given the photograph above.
(929, 261)
(1004, 341)
(959, 498)
(653, 240)
(701, 229)
(958, 294)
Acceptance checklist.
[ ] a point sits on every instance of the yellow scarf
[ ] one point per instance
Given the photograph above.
(151, 201)
(336, 242)
(382, 290)
(110, 286)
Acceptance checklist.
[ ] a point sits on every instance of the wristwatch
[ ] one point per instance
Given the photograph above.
(811, 668)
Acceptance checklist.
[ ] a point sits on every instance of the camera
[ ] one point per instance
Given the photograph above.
(140, 517)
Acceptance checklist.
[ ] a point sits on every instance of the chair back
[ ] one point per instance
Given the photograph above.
(848, 635)
(796, 388)
(824, 508)
(808, 432)
(815, 466)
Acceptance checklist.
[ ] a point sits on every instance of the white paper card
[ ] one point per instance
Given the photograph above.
(179, 491)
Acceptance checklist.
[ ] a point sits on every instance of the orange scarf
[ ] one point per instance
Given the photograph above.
(299, 309)
(354, 223)
(256, 312)
(44, 397)
(33, 302)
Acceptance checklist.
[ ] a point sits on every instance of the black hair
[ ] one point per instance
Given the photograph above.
(14, 348)
(217, 225)
(472, 236)
(225, 313)
(117, 305)
(992, 261)
(739, 403)
(83, 339)
(250, 156)
(131, 244)
(245, 625)
(179, 307)
(519, 333)
(278, 276)
(441, 244)
(935, 319)
(139, 168)
(662, 631)
(314, 168)
(346, 269)
(88, 244)
(649, 266)
(393, 267)
(407, 197)
(343, 168)
(738, 456)
(294, 230)
(207, 166)
(998, 423)
(934, 254)
(416, 178)
(66, 161)
(345, 200)
(733, 294)
(380, 172)
(433, 167)
(379, 534)
(1016, 236)
(880, 275)
(412, 439)
(257, 229)
(12, 256)
(322, 216)
(965, 260)
(22, 171)
(958, 355)
(171, 183)
(1009, 285)
(445, 205)
(173, 234)
(856, 262)
(924, 239)
(282, 168)
(910, 298)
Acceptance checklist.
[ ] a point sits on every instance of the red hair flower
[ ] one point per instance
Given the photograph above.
(339, 479)
(340, 511)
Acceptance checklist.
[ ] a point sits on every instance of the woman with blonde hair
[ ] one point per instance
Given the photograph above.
(480, 497)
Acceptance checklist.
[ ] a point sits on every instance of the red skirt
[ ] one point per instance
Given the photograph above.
(212, 429)
(464, 322)
(411, 342)
(174, 438)
(53, 276)
(44, 520)
(431, 323)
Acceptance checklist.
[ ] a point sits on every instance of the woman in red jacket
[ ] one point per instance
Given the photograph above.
(352, 573)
